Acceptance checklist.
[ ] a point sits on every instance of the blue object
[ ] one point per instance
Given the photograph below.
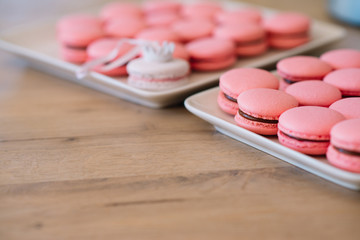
(346, 10)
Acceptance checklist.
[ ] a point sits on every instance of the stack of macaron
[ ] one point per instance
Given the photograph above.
(310, 98)
(206, 34)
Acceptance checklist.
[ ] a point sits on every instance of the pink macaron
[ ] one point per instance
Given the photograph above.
(344, 150)
(239, 16)
(79, 19)
(74, 40)
(260, 109)
(126, 26)
(314, 93)
(301, 68)
(159, 34)
(207, 54)
(190, 29)
(287, 30)
(116, 9)
(238, 80)
(102, 48)
(307, 128)
(349, 107)
(201, 9)
(161, 19)
(342, 58)
(347, 80)
(250, 38)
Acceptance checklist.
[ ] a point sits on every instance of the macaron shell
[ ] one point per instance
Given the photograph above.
(287, 42)
(312, 148)
(346, 135)
(115, 9)
(343, 161)
(80, 36)
(342, 58)
(80, 19)
(314, 93)
(256, 127)
(347, 80)
(240, 33)
(158, 6)
(349, 107)
(287, 23)
(161, 19)
(227, 106)
(73, 55)
(251, 50)
(104, 46)
(189, 30)
(159, 34)
(265, 103)
(213, 64)
(205, 9)
(210, 48)
(300, 68)
(242, 15)
(309, 122)
(124, 27)
(237, 80)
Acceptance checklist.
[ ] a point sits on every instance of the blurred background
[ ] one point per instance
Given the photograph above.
(19, 12)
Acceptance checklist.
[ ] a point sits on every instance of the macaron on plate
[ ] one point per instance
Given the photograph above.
(205, 106)
(37, 43)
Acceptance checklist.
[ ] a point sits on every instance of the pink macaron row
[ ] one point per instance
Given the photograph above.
(170, 21)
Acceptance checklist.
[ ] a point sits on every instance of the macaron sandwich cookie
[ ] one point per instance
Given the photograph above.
(347, 80)
(207, 54)
(287, 30)
(250, 38)
(191, 29)
(116, 9)
(238, 80)
(342, 58)
(75, 33)
(314, 93)
(307, 129)
(344, 150)
(349, 107)
(260, 109)
(157, 69)
(301, 68)
(238, 16)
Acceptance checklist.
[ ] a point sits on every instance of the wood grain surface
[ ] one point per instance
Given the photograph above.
(78, 164)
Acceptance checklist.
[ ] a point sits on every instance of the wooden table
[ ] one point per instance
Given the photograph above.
(78, 164)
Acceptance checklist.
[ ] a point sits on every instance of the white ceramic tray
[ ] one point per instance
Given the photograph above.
(204, 105)
(37, 44)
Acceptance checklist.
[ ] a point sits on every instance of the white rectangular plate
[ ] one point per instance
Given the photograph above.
(204, 105)
(37, 44)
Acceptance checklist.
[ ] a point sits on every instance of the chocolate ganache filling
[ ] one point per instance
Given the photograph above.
(230, 98)
(349, 152)
(289, 81)
(251, 118)
(303, 139)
